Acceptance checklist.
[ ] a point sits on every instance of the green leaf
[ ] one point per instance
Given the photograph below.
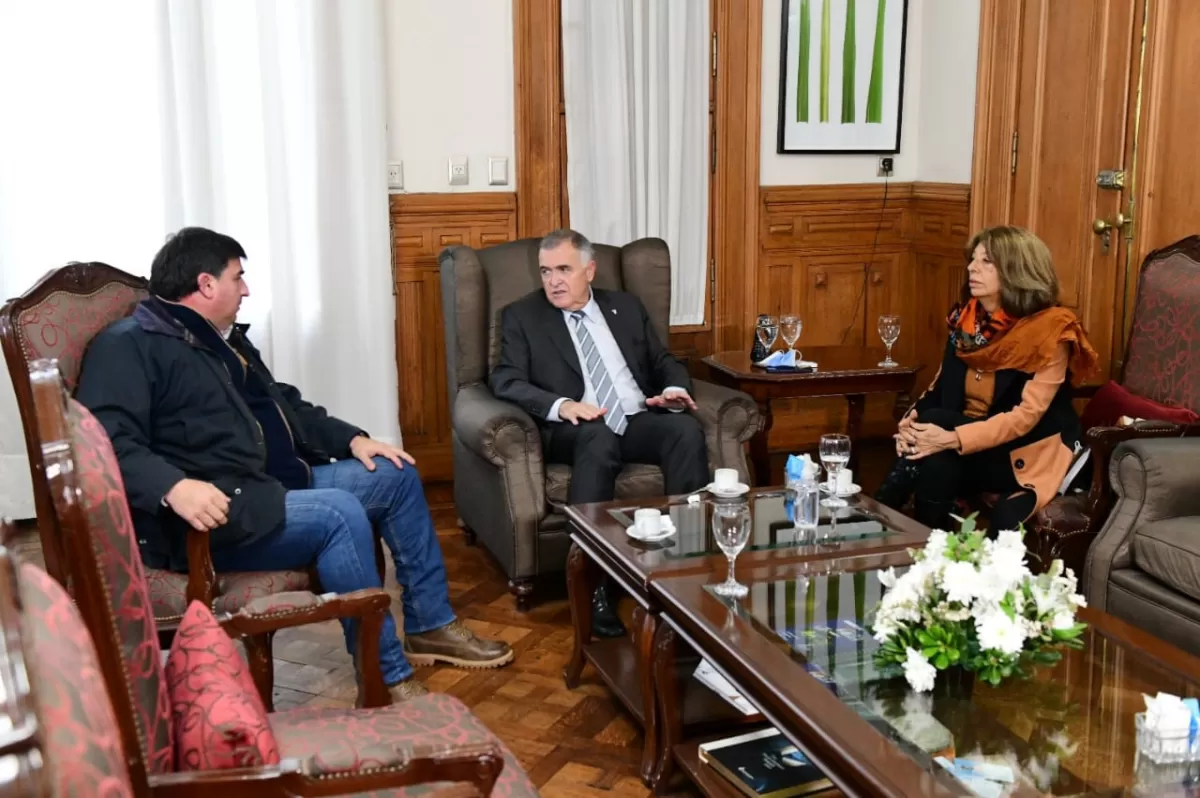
(925, 637)
(941, 661)
(825, 52)
(848, 65)
(803, 57)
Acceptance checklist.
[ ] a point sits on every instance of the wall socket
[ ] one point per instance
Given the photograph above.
(886, 164)
(458, 170)
(396, 175)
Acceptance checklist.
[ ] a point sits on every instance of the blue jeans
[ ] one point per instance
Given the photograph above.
(331, 524)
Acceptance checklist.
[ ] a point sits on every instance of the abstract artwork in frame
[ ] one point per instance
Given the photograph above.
(841, 76)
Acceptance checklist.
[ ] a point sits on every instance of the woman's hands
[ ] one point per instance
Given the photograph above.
(916, 441)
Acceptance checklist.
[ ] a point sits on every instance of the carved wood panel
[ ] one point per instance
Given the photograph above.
(422, 226)
(840, 257)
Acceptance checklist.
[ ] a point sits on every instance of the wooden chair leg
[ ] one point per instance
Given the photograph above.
(260, 654)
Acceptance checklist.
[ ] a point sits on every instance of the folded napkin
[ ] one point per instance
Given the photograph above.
(784, 358)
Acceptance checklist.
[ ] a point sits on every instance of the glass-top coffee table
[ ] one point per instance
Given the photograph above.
(798, 647)
(601, 544)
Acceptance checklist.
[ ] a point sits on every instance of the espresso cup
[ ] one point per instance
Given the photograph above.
(648, 521)
(725, 478)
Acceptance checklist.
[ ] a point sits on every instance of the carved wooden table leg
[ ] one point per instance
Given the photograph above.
(645, 624)
(581, 583)
(760, 450)
(857, 404)
(670, 711)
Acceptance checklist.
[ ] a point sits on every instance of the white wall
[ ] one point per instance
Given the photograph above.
(937, 122)
(450, 89)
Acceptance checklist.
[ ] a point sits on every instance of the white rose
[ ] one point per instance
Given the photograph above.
(935, 546)
(1062, 620)
(919, 673)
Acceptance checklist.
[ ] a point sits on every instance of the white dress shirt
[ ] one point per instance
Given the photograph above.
(630, 395)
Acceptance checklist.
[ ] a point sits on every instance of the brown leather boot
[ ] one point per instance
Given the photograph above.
(455, 644)
(400, 691)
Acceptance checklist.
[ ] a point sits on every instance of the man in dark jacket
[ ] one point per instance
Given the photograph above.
(207, 438)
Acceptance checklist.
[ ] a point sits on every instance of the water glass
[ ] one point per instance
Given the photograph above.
(806, 513)
(834, 453)
(889, 331)
(789, 330)
(767, 330)
(731, 531)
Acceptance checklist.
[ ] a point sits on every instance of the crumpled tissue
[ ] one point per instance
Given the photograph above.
(1174, 721)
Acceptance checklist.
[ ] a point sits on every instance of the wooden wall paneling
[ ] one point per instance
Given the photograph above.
(1166, 174)
(540, 128)
(422, 226)
(738, 129)
(996, 93)
(840, 257)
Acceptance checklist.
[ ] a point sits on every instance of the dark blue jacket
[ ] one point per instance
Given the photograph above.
(169, 402)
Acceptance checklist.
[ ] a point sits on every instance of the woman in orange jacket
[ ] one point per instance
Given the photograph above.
(998, 416)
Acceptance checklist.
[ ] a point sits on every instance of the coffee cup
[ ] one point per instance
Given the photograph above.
(725, 478)
(845, 480)
(648, 521)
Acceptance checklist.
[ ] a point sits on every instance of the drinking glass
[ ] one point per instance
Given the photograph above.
(834, 453)
(889, 331)
(767, 330)
(789, 329)
(731, 530)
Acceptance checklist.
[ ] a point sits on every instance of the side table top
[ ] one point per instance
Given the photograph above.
(832, 362)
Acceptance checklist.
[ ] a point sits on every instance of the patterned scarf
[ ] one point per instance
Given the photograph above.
(972, 327)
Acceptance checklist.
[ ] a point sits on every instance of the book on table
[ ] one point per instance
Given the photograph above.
(764, 764)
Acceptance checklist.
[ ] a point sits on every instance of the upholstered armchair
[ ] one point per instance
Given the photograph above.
(1162, 364)
(380, 749)
(506, 495)
(1144, 566)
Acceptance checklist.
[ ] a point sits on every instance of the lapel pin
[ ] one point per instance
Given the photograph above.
(614, 311)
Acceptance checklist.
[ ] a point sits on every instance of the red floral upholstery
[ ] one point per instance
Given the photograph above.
(1163, 362)
(168, 590)
(80, 737)
(220, 721)
(62, 325)
(119, 565)
(340, 739)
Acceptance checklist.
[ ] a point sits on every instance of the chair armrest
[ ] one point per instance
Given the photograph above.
(734, 413)
(1103, 440)
(498, 431)
(478, 765)
(269, 614)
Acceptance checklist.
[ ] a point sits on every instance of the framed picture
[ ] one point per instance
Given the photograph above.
(841, 76)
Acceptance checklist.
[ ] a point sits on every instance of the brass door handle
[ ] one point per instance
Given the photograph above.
(1102, 226)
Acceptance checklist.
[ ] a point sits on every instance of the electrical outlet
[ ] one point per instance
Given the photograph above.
(886, 165)
(458, 170)
(396, 175)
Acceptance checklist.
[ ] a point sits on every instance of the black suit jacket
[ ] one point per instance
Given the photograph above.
(538, 364)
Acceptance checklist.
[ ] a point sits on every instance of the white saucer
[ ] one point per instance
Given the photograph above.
(727, 493)
(842, 494)
(665, 531)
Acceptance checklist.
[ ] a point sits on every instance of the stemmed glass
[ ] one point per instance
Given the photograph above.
(789, 329)
(889, 331)
(834, 453)
(767, 331)
(731, 530)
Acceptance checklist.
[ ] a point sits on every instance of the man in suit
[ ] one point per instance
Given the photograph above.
(588, 366)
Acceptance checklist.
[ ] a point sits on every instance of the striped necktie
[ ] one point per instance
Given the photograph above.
(602, 384)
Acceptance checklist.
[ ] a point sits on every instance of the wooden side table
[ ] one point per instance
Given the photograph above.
(849, 371)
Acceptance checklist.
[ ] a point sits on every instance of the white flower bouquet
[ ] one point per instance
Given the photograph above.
(971, 602)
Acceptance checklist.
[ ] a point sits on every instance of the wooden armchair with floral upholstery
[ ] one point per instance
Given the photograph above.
(429, 742)
(1161, 368)
(48, 328)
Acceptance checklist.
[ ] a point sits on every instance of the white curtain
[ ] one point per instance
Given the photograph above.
(635, 85)
(263, 119)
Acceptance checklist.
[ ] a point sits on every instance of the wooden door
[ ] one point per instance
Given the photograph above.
(1068, 104)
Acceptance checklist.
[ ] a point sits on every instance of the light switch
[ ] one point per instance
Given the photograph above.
(497, 171)
(458, 170)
